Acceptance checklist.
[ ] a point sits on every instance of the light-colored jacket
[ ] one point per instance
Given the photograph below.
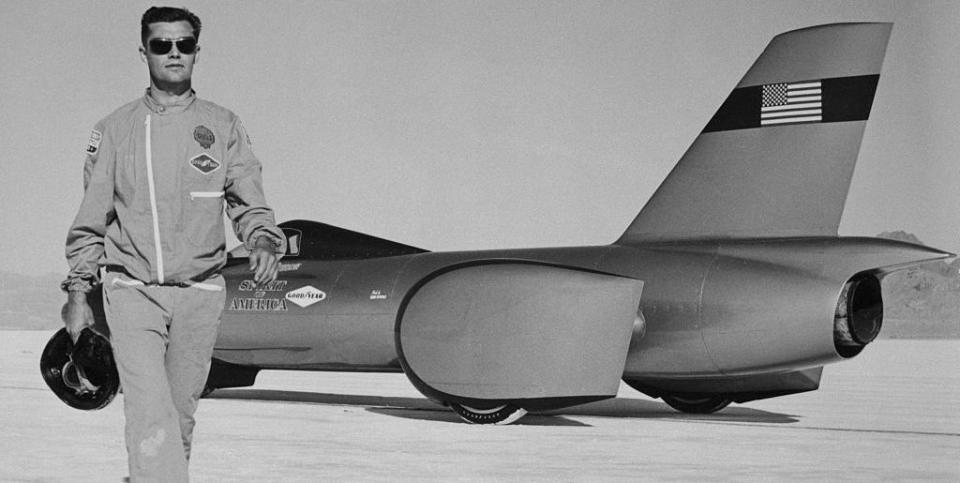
(155, 182)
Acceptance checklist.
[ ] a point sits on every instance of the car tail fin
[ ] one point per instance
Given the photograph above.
(777, 158)
(311, 240)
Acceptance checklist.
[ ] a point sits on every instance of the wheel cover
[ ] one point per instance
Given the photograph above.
(502, 415)
(697, 404)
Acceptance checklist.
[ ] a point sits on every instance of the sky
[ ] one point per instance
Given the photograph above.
(461, 125)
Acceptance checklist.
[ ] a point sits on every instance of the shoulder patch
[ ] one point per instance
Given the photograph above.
(94, 145)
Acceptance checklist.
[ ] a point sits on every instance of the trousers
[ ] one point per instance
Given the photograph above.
(162, 338)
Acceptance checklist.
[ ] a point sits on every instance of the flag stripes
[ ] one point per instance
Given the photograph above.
(792, 102)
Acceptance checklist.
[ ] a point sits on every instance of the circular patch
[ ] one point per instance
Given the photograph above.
(204, 136)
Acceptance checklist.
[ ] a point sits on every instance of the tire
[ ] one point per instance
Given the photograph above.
(504, 414)
(692, 404)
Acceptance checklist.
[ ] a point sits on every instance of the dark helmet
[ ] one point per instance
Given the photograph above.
(83, 375)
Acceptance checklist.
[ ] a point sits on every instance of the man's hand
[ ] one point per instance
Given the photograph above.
(264, 261)
(76, 314)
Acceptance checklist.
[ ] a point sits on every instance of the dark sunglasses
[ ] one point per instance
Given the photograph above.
(185, 45)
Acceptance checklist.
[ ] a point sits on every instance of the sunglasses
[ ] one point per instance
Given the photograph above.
(185, 45)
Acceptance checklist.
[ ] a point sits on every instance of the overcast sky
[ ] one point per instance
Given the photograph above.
(453, 125)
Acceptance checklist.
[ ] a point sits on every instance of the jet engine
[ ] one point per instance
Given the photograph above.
(750, 320)
(859, 315)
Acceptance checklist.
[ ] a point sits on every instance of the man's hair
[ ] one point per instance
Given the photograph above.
(167, 14)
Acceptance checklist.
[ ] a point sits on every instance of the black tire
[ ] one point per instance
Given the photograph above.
(504, 414)
(693, 404)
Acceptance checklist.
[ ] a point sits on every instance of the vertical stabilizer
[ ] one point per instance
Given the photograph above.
(777, 158)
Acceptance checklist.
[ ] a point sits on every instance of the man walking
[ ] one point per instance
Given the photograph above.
(158, 173)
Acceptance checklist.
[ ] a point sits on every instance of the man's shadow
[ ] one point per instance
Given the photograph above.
(427, 410)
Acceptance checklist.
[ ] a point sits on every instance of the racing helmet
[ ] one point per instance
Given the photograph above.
(83, 375)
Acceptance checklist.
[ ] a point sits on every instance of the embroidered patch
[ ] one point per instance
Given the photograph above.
(204, 136)
(204, 163)
(94, 145)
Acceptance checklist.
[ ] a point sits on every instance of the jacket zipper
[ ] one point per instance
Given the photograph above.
(153, 203)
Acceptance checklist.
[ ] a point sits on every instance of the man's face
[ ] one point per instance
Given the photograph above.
(173, 67)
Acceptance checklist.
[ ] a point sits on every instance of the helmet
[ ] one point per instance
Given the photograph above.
(83, 375)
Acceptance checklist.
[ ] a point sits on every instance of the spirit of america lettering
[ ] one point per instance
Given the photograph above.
(258, 305)
(274, 286)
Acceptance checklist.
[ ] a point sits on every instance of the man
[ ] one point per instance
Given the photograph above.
(157, 173)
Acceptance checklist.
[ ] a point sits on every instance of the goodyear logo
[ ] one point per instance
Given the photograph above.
(306, 296)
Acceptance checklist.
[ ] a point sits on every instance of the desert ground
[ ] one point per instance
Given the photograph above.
(892, 413)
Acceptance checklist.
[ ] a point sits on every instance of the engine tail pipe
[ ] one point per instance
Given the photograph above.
(859, 314)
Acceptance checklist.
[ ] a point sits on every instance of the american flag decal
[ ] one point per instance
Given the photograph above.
(834, 99)
(789, 103)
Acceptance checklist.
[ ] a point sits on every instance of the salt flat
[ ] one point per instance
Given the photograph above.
(891, 414)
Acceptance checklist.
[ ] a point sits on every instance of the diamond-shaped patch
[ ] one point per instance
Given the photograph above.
(204, 163)
(306, 296)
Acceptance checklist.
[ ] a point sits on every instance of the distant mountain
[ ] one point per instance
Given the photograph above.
(921, 302)
(924, 301)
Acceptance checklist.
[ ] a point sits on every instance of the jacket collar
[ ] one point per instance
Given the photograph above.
(163, 109)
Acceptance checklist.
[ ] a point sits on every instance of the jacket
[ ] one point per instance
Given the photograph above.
(156, 179)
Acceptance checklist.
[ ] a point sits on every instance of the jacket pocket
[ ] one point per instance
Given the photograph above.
(208, 200)
(203, 218)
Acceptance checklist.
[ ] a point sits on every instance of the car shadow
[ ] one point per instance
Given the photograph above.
(442, 414)
(623, 407)
(410, 403)
(398, 407)
(425, 409)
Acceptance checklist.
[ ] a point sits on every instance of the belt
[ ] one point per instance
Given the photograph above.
(190, 283)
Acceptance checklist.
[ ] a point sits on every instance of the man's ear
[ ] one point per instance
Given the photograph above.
(143, 54)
